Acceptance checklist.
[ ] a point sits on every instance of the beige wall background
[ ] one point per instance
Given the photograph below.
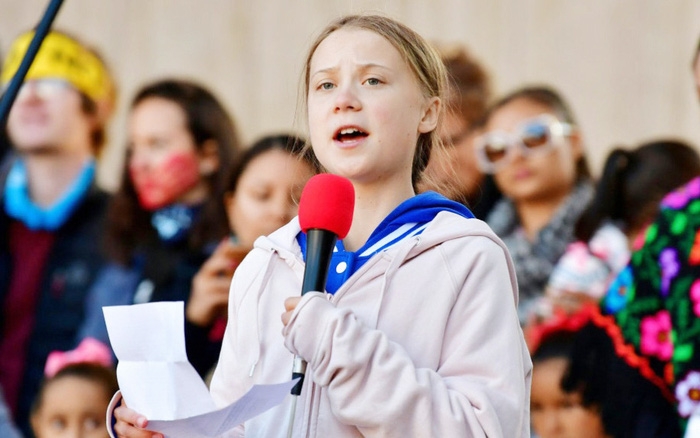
(624, 65)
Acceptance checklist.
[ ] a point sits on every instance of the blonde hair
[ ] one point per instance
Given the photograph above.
(421, 58)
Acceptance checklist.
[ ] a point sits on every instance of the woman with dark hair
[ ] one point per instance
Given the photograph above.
(168, 214)
(656, 302)
(626, 201)
(261, 195)
(275, 166)
(587, 383)
(181, 143)
(534, 150)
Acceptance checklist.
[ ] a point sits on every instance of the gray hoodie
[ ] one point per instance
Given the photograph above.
(422, 341)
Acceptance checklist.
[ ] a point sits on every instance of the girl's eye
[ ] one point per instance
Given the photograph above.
(260, 195)
(373, 81)
(158, 143)
(325, 86)
(58, 423)
(91, 423)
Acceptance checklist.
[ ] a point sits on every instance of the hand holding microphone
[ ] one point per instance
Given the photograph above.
(325, 214)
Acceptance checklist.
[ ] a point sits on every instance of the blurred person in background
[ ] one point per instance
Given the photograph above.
(51, 215)
(75, 393)
(586, 383)
(626, 201)
(467, 101)
(533, 147)
(554, 412)
(656, 300)
(167, 216)
(262, 195)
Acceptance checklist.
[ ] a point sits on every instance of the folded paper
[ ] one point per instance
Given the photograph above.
(157, 380)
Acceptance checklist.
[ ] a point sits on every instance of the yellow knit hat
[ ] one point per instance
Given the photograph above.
(60, 56)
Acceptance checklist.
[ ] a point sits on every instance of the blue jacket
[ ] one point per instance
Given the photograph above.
(75, 258)
(167, 272)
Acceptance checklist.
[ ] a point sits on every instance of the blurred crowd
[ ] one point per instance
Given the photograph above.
(608, 268)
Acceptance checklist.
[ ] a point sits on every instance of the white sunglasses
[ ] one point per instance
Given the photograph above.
(538, 135)
(44, 88)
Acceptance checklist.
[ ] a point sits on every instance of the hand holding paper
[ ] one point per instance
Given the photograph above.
(156, 379)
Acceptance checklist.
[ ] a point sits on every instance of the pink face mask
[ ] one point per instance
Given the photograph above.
(162, 184)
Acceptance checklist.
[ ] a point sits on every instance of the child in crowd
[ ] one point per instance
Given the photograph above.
(587, 383)
(418, 333)
(262, 194)
(556, 413)
(167, 216)
(534, 149)
(626, 200)
(73, 398)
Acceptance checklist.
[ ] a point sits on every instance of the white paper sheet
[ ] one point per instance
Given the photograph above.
(157, 381)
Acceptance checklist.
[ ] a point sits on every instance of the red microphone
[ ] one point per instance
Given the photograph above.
(325, 214)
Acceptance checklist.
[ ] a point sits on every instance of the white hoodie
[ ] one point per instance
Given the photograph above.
(422, 341)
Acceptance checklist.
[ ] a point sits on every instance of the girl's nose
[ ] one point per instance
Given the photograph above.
(551, 426)
(139, 159)
(136, 162)
(347, 99)
(28, 92)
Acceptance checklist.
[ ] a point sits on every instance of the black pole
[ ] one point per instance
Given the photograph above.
(42, 29)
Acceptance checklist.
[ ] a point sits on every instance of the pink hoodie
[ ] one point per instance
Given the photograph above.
(422, 341)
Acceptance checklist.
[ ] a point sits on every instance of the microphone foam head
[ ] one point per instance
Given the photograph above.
(327, 203)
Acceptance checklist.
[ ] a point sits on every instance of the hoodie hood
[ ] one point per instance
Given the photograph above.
(420, 209)
(408, 219)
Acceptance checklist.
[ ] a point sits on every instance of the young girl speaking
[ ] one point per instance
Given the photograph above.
(417, 333)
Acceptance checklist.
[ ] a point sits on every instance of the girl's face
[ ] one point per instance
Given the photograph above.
(267, 195)
(72, 407)
(365, 108)
(164, 164)
(539, 176)
(556, 414)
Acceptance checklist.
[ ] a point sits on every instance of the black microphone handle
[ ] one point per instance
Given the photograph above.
(319, 250)
(42, 29)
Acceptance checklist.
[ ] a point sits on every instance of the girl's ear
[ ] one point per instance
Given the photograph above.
(431, 113)
(35, 422)
(209, 157)
(229, 199)
(576, 143)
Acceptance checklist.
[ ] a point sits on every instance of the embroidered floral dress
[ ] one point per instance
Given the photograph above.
(656, 299)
